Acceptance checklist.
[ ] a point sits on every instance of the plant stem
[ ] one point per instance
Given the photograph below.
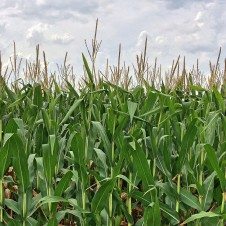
(37, 181)
(83, 189)
(154, 167)
(223, 202)
(1, 201)
(110, 204)
(49, 194)
(110, 210)
(83, 199)
(178, 192)
(84, 204)
(129, 200)
(24, 207)
(0, 131)
(201, 173)
(110, 223)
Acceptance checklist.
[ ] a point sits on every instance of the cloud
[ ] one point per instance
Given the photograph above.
(178, 4)
(7, 3)
(192, 28)
(160, 39)
(42, 33)
(62, 39)
(85, 7)
(141, 39)
(3, 26)
(48, 10)
(36, 34)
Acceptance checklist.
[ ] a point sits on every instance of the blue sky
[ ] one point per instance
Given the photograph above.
(195, 29)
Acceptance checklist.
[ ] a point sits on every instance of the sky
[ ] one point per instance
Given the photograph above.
(191, 28)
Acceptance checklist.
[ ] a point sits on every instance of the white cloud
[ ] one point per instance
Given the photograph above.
(193, 28)
(3, 26)
(36, 34)
(48, 10)
(62, 39)
(7, 3)
(141, 40)
(160, 39)
(40, 2)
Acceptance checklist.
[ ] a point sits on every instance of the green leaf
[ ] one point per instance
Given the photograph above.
(208, 196)
(78, 148)
(51, 199)
(126, 179)
(210, 129)
(200, 215)
(123, 207)
(220, 100)
(31, 167)
(12, 96)
(211, 155)
(152, 112)
(99, 199)
(4, 155)
(170, 213)
(197, 88)
(52, 222)
(12, 205)
(14, 222)
(72, 90)
(62, 186)
(187, 142)
(169, 189)
(13, 125)
(46, 120)
(61, 214)
(32, 222)
(141, 164)
(134, 117)
(189, 199)
(37, 96)
(71, 110)
(89, 73)
(48, 163)
(103, 135)
(20, 162)
(102, 157)
(132, 109)
(152, 214)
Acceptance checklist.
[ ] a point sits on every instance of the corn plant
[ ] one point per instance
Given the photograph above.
(108, 153)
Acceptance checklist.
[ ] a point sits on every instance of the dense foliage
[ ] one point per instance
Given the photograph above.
(105, 155)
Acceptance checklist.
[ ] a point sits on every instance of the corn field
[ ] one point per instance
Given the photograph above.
(108, 152)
